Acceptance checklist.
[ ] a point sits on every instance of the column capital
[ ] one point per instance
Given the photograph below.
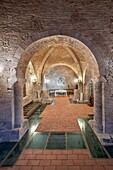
(21, 81)
(100, 79)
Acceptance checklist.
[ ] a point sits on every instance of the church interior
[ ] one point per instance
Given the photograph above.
(56, 85)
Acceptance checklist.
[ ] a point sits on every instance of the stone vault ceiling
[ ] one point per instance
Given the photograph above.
(58, 55)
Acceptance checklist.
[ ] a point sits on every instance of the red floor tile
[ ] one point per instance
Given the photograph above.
(37, 167)
(44, 162)
(61, 168)
(98, 168)
(22, 162)
(62, 157)
(56, 162)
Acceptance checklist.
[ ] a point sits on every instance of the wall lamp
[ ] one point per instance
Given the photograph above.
(33, 78)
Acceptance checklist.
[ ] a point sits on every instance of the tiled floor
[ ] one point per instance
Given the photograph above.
(61, 117)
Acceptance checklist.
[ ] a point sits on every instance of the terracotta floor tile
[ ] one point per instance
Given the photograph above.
(62, 157)
(83, 157)
(37, 152)
(81, 152)
(29, 167)
(56, 162)
(79, 162)
(31, 156)
(44, 162)
(72, 156)
(86, 168)
(74, 168)
(98, 167)
(22, 156)
(37, 167)
(12, 168)
(108, 167)
(41, 156)
(57, 117)
(22, 162)
(48, 152)
(57, 152)
(33, 162)
(51, 157)
(67, 152)
(102, 162)
(27, 151)
(110, 161)
(61, 168)
(90, 162)
(67, 162)
(49, 168)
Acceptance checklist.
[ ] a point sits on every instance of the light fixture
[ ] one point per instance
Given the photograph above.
(47, 80)
(33, 78)
(76, 80)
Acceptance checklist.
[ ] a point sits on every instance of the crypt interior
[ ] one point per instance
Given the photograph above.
(56, 84)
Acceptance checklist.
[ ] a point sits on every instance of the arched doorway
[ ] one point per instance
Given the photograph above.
(63, 50)
(60, 49)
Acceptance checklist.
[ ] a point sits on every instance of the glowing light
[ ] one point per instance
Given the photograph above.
(47, 80)
(75, 80)
(33, 78)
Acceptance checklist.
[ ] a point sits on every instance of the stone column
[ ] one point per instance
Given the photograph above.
(98, 105)
(6, 110)
(39, 91)
(107, 109)
(86, 92)
(35, 91)
(81, 90)
(18, 105)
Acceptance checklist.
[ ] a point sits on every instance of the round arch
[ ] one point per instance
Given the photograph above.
(25, 56)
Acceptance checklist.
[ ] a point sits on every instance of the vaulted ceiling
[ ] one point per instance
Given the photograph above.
(59, 55)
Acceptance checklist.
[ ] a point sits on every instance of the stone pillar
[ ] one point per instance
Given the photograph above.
(6, 110)
(86, 92)
(39, 91)
(107, 101)
(98, 105)
(81, 91)
(35, 92)
(12, 124)
(18, 105)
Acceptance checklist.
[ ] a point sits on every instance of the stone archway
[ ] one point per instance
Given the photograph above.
(66, 41)
(23, 56)
(54, 41)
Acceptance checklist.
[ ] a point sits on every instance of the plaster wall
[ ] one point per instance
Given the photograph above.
(60, 77)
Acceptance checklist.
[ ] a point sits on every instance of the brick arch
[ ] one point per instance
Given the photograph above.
(37, 42)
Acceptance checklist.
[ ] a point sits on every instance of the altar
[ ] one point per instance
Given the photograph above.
(61, 92)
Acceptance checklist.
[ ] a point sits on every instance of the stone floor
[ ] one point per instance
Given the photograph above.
(64, 114)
